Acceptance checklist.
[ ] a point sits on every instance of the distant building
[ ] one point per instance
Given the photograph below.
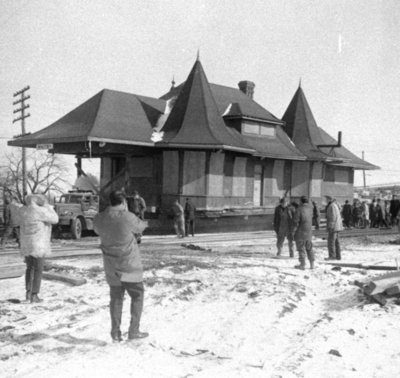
(209, 142)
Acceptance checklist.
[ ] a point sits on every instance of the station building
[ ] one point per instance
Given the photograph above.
(208, 142)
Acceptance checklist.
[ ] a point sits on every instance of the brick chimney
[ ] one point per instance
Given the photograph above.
(247, 87)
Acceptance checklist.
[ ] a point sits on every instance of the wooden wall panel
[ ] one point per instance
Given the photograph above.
(316, 180)
(338, 183)
(216, 175)
(268, 177)
(300, 178)
(239, 177)
(278, 188)
(194, 173)
(228, 174)
(170, 172)
(251, 167)
(105, 169)
(140, 166)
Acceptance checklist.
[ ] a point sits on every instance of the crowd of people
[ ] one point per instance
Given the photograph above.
(379, 213)
(121, 224)
(294, 222)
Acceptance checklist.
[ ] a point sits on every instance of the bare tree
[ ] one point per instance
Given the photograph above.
(45, 173)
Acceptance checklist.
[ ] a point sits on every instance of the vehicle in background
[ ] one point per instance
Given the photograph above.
(76, 210)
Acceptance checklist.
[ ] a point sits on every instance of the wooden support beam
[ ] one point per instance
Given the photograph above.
(64, 278)
(12, 270)
(380, 284)
(361, 266)
(379, 298)
(393, 291)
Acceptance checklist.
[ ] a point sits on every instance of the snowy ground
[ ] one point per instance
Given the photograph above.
(231, 312)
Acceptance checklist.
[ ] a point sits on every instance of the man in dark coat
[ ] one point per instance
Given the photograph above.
(190, 211)
(302, 223)
(373, 214)
(316, 215)
(394, 209)
(347, 214)
(283, 225)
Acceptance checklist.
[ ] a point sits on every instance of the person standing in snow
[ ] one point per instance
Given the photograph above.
(190, 211)
(117, 227)
(179, 219)
(334, 225)
(302, 227)
(394, 209)
(35, 220)
(137, 206)
(347, 213)
(10, 221)
(283, 225)
(316, 215)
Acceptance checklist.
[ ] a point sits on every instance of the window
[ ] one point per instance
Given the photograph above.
(255, 128)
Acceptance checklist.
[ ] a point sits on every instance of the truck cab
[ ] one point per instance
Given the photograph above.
(76, 210)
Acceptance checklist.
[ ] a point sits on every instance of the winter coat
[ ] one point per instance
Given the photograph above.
(394, 207)
(316, 214)
(365, 208)
(333, 217)
(373, 212)
(380, 211)
(347, 211)
(35, 229)
(177, 210)
(137, 206)
(302, 222)
(190, 211)
(283, 219)
(11, 212)
(117, 228)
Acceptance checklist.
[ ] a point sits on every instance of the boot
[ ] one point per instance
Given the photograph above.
(28, 295)
(300, 266)
(312, 265)
(138, 335)
(35, 299)
(116, 337)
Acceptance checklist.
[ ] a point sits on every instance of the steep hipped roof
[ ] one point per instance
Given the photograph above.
(307, 136)
(224, 96)
(108, 116)
(302, 128)
(349, 159)
(195, 119)
(278, 147)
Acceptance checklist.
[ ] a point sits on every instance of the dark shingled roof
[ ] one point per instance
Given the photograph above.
(349, 159)
(279, 147)
(195, 119)
(306, 135)
(107, 116)
(242, 105)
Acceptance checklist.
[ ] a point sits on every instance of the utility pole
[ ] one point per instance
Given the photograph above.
(21, 118)
(364, 181)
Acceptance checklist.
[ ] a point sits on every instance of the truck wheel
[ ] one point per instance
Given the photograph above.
(76, 228)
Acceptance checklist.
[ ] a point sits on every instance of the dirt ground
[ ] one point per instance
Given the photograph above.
(225, 310)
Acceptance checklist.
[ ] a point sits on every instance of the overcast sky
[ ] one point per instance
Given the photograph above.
(346, 52)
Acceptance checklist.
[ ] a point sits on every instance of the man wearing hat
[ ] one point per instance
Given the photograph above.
(302, 223)
(283, 225)
(334, 225)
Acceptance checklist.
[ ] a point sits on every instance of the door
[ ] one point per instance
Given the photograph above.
(257, 189)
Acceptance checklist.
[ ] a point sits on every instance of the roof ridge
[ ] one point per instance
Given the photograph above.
(98, 109)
